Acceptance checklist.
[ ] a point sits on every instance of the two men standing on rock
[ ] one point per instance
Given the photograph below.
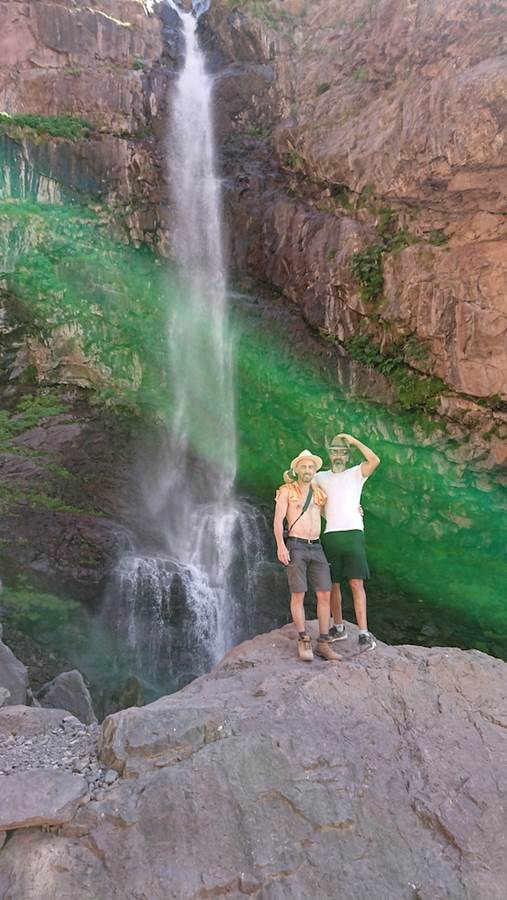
(335, 494)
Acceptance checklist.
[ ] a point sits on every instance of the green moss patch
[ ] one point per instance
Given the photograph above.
(36, 612)
(114, 298)
(29, 412)
(11, 495)
(69, 128)
(367, 270)
(415, 391)
(263, 9)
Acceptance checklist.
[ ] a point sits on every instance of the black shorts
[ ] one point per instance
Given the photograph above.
(346, 554)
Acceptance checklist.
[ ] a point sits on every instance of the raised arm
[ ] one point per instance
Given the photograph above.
(371, 458)
(282, 503)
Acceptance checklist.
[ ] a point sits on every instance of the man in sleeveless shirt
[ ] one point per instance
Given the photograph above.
(301, 552)
(343, 539)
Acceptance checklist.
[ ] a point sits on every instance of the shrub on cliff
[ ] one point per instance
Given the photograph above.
(70, 128)
(367, 270)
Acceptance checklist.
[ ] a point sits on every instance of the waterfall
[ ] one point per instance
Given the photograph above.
(200, 353)
(178, 607)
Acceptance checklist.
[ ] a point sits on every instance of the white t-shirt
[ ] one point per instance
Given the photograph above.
(343, 491)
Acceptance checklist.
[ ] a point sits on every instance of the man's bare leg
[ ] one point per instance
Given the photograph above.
(323, 611)
(304, 642)
(366, 640)
(359, 595)
(336, 604)
(297, 611)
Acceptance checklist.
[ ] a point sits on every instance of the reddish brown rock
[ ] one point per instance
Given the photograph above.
(105, 62)
(378, 106)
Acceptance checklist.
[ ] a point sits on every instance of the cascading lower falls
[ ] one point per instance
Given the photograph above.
(179, 609)
(167, 615)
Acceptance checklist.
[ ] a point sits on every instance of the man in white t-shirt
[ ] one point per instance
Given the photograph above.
(343, 539)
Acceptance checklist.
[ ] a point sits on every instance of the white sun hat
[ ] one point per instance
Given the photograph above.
(305, 454)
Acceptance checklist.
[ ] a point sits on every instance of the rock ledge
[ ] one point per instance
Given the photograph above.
(253, 778)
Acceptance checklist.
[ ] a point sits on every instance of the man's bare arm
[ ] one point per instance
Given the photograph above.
(371, 458)
(282, 503)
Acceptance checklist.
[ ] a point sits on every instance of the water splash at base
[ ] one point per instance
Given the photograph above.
(174, 621)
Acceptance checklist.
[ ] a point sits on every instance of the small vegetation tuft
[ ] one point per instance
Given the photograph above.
(361, 74)
(293, 160)
(367, 270)
(67, 128)
(262, 9)
(258, 132)
(415, 391)
(29, 412)
(437, 237)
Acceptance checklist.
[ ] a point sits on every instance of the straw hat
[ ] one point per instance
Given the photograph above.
(305, 454)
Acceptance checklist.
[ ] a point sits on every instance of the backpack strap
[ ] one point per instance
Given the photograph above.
(305, 507)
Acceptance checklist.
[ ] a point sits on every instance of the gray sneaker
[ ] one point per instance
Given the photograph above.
(337, 634)
(367, 641)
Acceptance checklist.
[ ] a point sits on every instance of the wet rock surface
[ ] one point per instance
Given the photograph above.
(42, 664)
(251, 779)
(67, 498)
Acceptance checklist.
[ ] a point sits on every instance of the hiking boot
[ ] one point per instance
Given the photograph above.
(367, 641)
(325, 650)
(337, 634)
(305, 651)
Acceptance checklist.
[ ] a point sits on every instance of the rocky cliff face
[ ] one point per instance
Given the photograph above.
(82, 95)
(363, 182)
(65, 502)
(380, 776)
(366, 150)
(103, 62)
(325, 202)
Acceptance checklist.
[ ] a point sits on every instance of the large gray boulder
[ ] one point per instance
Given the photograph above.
(382, 776)
(31, 721)
(39, 797)
(68, 691)
(13, 676)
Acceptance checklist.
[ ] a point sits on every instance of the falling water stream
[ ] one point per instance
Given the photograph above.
(180, 609)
